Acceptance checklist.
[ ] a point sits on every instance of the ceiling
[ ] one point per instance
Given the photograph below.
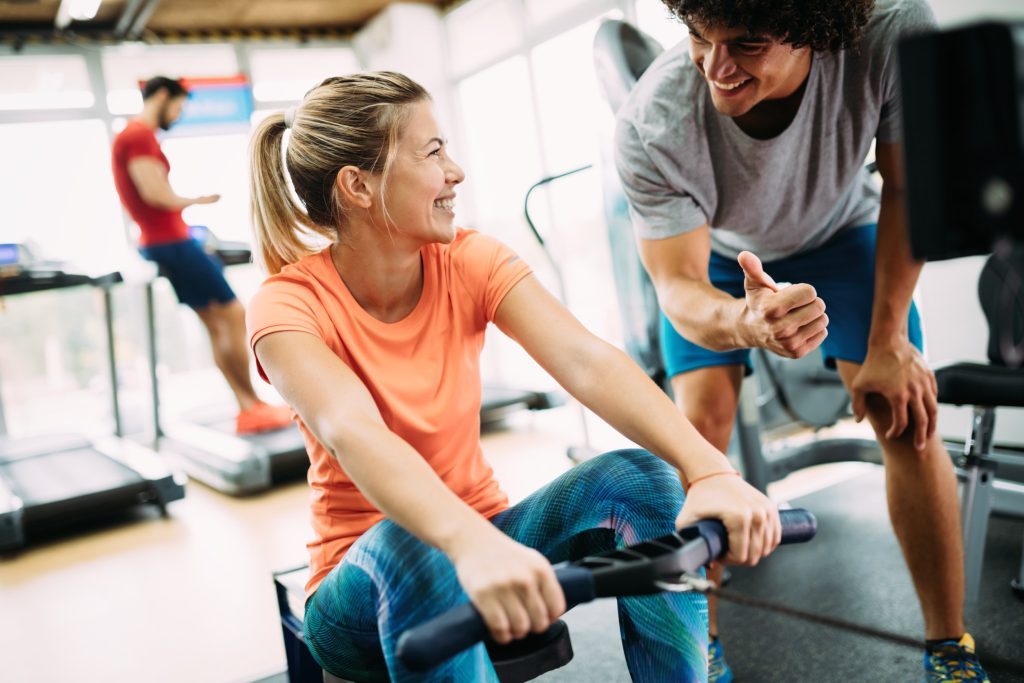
(134, 19)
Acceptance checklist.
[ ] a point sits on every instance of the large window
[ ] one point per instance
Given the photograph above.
(65, 200)
(285, 75)
(44, 82)
(575, 123)
(482, 31)
(654, 19)
(536, 112)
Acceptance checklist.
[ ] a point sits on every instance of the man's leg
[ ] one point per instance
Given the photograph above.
(923, 505)
(702, 396)
(225, 323)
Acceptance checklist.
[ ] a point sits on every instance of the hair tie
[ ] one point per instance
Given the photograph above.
(289, 117)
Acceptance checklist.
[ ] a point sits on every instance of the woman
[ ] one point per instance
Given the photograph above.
(375, 343)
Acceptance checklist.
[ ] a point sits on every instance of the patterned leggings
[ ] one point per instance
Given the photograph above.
(390, 581)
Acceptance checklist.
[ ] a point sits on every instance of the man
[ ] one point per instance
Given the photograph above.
(140, 175)
(748, 144)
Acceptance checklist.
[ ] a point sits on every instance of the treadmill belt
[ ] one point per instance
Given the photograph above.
(53, 477)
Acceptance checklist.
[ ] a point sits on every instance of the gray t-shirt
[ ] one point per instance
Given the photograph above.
(684, 165)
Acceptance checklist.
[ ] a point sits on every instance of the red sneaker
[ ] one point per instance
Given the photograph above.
(263, 417)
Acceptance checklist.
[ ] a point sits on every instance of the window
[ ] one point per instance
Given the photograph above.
(193, 175)
(482, 31)
(654, 19)
(65, 200)
(45, 82)
(501, 141)
(285, 75)
(52, 345)
(575, 122)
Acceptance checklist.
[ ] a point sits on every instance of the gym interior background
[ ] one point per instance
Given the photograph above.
(189, 597)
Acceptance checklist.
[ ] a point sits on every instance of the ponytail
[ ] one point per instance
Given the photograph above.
(284, 231)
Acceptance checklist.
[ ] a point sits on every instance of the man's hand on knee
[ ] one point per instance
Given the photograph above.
(898, 374)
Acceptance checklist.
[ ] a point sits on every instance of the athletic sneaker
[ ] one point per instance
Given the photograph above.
(953, 662)
(718, 670)
(263, 417)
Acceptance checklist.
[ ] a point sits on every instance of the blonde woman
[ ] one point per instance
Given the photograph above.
(375, 342)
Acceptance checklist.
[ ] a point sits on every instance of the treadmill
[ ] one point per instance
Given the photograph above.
(204, 440)
(50, 483)
(498, 402)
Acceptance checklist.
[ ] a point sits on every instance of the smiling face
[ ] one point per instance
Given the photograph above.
(420, 190)
(744, 69)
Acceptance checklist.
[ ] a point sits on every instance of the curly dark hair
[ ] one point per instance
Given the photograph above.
(822, 25)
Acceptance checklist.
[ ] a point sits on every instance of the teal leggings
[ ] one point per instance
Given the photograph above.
(390, 581)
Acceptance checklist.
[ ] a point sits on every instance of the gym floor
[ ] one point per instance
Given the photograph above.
(190, 598)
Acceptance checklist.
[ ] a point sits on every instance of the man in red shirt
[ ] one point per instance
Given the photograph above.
(140, 175)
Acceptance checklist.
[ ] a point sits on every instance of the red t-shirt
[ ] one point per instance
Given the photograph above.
(158, 226)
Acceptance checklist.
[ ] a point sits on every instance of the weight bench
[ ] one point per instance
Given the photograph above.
(519, 661)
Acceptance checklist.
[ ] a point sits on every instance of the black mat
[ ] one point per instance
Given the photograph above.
(853, 570)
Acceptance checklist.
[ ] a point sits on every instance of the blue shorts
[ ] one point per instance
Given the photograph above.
(197, 277)
(842, 271)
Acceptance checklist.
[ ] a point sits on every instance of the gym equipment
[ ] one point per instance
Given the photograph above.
(964, 150)
(54, 482)
(498, 402)
(513, 662)
(586, 450)
(667, 563)
(987, 387)
(205, 440)
(800, 391)
(964, 144)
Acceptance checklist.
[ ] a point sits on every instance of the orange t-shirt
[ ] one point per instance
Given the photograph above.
(422, 371)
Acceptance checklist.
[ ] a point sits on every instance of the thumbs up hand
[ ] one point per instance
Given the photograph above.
(789, 321)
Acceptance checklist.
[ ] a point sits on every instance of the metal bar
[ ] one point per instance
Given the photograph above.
(108, 315)
(131, 8)
(748, 438)
(586, 451)
(151, 344)
(139, 24)
(3, 420)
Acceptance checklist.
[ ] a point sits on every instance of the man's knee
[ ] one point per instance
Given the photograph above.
(714, 423)
(707, 404)
(879, 414)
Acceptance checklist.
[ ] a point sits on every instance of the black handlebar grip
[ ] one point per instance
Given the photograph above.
(432, 642)
(427, 645)
(798, 526)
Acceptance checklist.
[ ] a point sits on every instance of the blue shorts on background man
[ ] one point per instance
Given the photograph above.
(842, 271)
(197, 277)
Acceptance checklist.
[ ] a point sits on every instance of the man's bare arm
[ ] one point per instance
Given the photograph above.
(150, 179)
